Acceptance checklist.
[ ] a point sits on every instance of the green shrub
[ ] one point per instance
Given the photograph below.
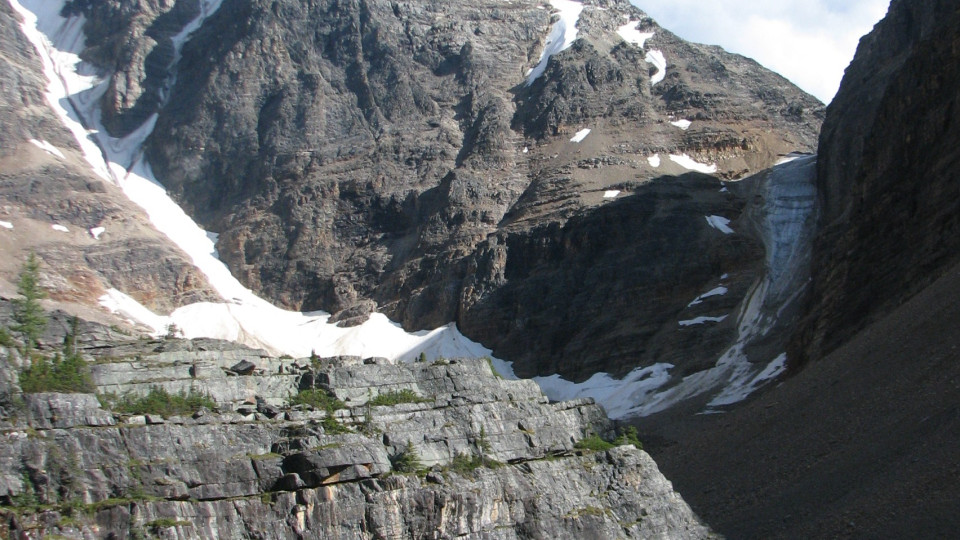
(6, 340)
(165, 523)
(594, 443)
(464, 463)
(397, 397)
(407, 461)
(628, 435)
(159, 401)
(332, 426)
(29, 318)
(67, 375)
(319, 399)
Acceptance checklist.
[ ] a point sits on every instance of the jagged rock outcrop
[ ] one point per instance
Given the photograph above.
(887, 175)
(361, 154)
(500, 460)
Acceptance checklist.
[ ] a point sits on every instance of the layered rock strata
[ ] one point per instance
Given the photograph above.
(255, 467)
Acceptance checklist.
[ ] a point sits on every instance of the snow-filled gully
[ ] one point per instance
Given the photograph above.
(73, 92)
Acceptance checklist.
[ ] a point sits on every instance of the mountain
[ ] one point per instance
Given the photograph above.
(591, 201)
(378, 157)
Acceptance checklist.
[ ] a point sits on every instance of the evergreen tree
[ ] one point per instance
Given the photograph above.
(28, 316)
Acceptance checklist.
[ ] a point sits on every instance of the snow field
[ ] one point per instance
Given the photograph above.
(632, 35)
(562, 35)
(656, 58)
(722, 224)
(689, 163)
(580, 136)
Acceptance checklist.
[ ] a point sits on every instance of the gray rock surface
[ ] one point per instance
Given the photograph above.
(305, 473)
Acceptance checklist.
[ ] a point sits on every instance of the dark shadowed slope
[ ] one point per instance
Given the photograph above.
(863, 443)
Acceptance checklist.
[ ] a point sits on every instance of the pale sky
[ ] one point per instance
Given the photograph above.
(809, 42)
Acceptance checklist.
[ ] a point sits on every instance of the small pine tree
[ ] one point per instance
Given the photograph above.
(28, 316)
(422, 358)
(70, 340)
(408, 460)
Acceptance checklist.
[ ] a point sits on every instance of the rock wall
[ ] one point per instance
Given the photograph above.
(257, 467)
(887, 175)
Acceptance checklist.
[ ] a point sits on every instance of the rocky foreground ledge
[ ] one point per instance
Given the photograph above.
(426, 450)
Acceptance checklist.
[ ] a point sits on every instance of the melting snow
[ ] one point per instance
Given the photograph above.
(48, 148)
(60, 228)
(631, 34)
(6, 224)
(562, 35)
(682, 124)
(654, 161)
(720, 223)
(611, 194)
(702, 320)
(620, 397)
(656, 58)
(97, 231)
(719, 291)
(580, 136)
(687, 162)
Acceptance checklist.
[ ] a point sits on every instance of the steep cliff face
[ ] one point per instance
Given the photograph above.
(495, 459)
(887, 175)
(403, 156)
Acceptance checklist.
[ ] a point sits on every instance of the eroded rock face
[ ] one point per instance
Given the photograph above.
(887, 175)
(44, 181)
(258, 468)
(353, 154)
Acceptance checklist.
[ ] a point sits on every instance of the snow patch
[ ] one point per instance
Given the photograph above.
(632, 35)
(58, 227)
(580, 136)
(702, 320)
(620, 397)
(719, 291)
(656, 58)
(689, 163)
(6, 224)
(562, 35)
(654, 161)
(720, 223)
(611, 194)
(97, 231)
(48, 148)
(682, 124)
(525, 149)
